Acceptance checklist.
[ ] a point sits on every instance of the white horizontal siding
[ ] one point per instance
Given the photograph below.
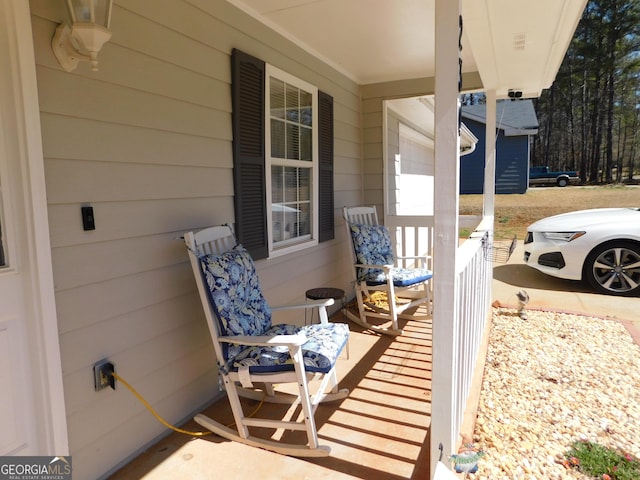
(81, 265)
(156, 383)
(109, 337)
(108, 181)
(92, 304)
(108, 142)
(76, 96)
(140, 361)
(142, 217)
(146, 141)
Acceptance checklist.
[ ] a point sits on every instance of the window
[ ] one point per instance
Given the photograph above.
(283, 159)
(291, 160)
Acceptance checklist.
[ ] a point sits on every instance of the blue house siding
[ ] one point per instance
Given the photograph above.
(512, 164)
(512, 151)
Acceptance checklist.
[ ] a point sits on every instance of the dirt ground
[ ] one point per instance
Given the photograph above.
(515, 212)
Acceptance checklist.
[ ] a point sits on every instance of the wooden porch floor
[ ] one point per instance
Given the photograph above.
(380, 431)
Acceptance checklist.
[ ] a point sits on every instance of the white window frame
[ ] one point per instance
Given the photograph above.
(286, 247)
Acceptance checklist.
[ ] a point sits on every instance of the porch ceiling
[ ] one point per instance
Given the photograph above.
(512, 44)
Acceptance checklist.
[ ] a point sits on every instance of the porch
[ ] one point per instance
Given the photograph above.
(148, 143)
(383, 428)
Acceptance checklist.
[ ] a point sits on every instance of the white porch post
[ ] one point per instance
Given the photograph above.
(447, 166)
(490, 156)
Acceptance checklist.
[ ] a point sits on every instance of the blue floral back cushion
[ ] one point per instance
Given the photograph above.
(241, 309)
(235, 293)
(372, 245)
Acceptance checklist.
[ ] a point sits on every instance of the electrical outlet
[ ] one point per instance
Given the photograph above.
(102, 375)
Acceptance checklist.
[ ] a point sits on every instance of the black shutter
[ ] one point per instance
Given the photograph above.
(247, 100)
(325, 174)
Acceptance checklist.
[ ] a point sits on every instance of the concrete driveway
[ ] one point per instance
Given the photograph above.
(550, 293)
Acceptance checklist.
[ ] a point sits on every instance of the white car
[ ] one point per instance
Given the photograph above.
(600, 246)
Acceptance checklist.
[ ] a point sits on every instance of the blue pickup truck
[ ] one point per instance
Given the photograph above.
(544, 176)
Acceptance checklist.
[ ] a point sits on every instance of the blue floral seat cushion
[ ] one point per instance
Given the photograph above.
(241, 309)
(320, 351)
(372, 245)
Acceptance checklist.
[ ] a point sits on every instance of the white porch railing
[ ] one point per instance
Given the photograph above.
(474, 271)
(414, 235)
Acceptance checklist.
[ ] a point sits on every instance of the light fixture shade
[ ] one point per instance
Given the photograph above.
(90, 11)
(89, 31)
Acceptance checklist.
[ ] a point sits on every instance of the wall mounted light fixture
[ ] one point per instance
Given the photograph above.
(88, 32)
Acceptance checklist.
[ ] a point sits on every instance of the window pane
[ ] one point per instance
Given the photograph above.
(291, 121)
(290, 184)
(277, 184)
(290, 203)
(277, 98)
(293, 142)
(306, 145)
(278, 149)
(306, 108)
(293, 104)
(304, 224)
(298, 185)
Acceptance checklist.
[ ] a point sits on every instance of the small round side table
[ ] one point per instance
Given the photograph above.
(323, 293)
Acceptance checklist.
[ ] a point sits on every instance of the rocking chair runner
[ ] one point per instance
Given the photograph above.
(252, 354)
(376, 271)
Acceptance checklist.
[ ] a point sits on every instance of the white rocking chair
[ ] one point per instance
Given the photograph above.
(376, 270)
(252, 354)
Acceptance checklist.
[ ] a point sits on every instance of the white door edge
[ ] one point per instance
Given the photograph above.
(21, 125)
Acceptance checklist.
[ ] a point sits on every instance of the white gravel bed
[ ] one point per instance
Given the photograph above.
(549, 381)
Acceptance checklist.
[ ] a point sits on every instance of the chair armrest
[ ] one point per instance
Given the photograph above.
(266, 340)
(421, 257)
(320, 304)
(311, 304)
(368, 265)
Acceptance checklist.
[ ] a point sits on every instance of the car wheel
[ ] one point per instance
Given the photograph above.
(614, 268)
(562, 182)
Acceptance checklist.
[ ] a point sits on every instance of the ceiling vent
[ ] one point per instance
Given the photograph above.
(519, 41)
